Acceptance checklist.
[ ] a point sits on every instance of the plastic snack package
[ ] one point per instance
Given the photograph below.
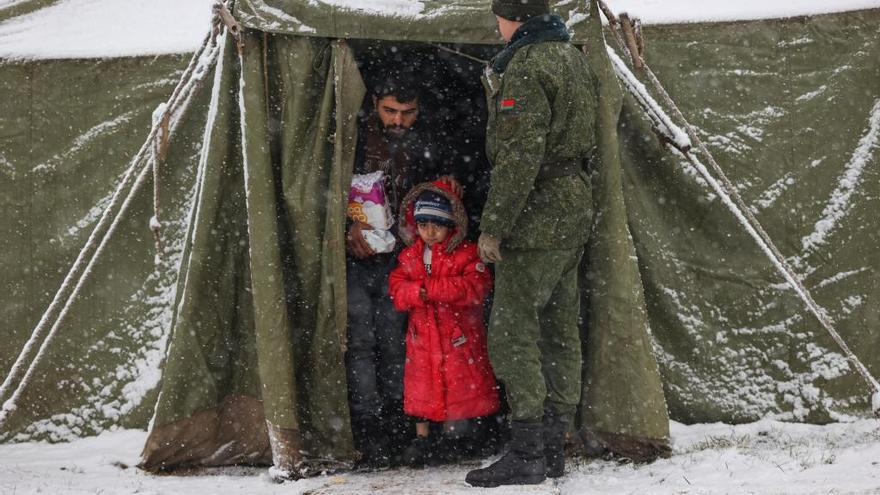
(367, 201)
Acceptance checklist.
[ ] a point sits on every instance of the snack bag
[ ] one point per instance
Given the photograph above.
(367, 203)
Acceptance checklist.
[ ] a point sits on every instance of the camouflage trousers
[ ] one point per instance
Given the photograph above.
(534, 342)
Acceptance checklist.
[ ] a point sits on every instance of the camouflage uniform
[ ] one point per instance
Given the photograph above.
(540, 136)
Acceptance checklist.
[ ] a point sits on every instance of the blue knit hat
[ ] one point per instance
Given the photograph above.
(433, 207)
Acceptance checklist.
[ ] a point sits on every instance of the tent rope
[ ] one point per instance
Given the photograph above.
(133, 179)
(160, 152)
(457, 52)
(731, 197)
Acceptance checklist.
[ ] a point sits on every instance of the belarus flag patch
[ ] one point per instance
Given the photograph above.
(508, 104)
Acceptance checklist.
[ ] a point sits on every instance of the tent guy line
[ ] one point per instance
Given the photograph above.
(728, 193)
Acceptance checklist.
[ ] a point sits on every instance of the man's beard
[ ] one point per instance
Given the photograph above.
(395, 131)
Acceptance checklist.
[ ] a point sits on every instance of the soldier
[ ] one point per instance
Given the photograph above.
(540, 136)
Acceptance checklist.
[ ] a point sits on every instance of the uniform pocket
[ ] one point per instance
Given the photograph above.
(506, 126)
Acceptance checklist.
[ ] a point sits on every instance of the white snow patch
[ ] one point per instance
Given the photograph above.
(840, 276)
(748, 128)
(838, 205)
(804, 40)
(397, 8)
(6, 167)
(575, 19)
(826, 364)
(781, 327)
(752, 73)
(89, 218)
(84, 140)
(774, 192)
(161, 83)
(675, 11)
(282, 16)
(812, 94)
(106, 28)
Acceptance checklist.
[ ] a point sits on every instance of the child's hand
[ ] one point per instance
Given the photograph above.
(423, 294)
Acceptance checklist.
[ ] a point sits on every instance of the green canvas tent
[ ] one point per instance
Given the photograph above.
(249, 306)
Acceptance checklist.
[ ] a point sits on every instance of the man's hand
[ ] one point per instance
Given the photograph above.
(489, 248)
(456, 186)
(356, 244)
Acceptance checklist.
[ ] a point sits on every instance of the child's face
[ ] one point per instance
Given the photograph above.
(432, 233)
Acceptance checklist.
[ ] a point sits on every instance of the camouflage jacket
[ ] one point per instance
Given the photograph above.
(542, 111)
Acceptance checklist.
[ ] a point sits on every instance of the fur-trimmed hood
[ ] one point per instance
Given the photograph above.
(407, 226)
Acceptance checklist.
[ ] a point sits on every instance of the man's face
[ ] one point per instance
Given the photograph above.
(396, 117)
(507, 27)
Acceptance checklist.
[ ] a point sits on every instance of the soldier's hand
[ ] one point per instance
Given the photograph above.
(356, 244)
(489, 248)
(453, 183)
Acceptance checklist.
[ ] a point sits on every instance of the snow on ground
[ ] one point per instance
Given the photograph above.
(763, 457)
(113, 28)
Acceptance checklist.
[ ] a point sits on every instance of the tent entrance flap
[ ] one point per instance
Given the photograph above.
(255, 362)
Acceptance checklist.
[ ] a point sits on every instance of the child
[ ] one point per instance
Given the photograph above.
(442, 283)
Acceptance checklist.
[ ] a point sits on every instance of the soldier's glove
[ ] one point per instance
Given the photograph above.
(489, 248)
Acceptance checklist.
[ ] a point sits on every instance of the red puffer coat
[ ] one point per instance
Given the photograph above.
(447, 374)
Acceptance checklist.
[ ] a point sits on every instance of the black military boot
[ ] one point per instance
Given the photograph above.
(371, 440)
(555, 427)
(523, 464)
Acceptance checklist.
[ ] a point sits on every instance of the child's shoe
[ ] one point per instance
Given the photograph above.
(418, 453)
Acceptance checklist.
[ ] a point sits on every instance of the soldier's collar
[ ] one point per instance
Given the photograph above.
(535, 30)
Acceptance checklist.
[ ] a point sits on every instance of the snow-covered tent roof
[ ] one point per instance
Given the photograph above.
(115, 28)
(104, 29)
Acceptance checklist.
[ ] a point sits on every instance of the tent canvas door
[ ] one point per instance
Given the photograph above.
(260, 320)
